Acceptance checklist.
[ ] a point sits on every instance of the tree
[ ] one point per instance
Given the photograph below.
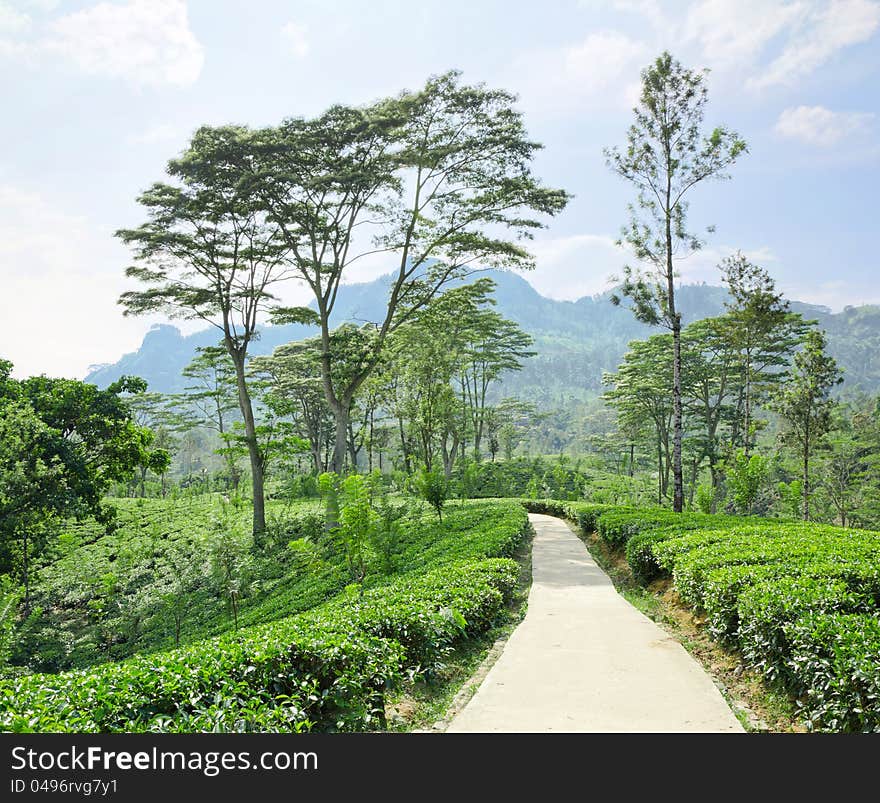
(640, 391)
(763, 333)
(494, 345)
(667, 155)
(848, 464)
(294, 371)
(439, 180)
(62, 444)
(805, 404)
(32, 484)
(208, 252)
(214, 394)
(746, 479)
(230, 561)
(709, 386)
(433, 487)
(154, 412)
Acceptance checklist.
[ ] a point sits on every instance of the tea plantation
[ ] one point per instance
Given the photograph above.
(324, 651)
(799, 601)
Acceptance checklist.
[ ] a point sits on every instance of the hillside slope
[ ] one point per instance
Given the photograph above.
(576, 341)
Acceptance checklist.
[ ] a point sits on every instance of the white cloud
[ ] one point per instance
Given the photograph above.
(161, 132)
(837, 25)
(12, 22)
(148, 42)
(599, 71)
(570, 267)
(574, 266)
(297, 39)
(651, 10)
(736, 33)
(816, 125)
(61, 275)
(601, 59)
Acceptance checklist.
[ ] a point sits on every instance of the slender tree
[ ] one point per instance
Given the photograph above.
(762, 332)
(208, 252)
(640, 393)
(214, 395)
(805, 404)
(666, 156)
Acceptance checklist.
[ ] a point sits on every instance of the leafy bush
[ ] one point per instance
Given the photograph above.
(705, 498)
(746, 480)
(836, 658)
(433, 487)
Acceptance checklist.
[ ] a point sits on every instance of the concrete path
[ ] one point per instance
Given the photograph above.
(584, 659)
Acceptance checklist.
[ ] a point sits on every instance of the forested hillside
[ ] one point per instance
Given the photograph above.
(576, 341)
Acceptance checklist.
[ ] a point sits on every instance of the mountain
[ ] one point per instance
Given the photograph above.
(576, 341)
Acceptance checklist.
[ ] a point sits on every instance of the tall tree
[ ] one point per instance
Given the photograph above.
(294, 370)
(763, 333)
(439, 180)
(666, 156)
(494, 345)
(709, 386)
(208, 252)
(214, 395)
(640, 392)
(805, 404)
(62, 444)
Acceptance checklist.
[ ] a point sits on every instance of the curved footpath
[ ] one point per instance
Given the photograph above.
(584, 659)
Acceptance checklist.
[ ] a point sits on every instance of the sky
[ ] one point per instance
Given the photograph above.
(96, 97)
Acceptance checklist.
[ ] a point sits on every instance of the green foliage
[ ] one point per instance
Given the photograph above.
(433, 487)
(324, 669)
(836, 658)
(10, 597)
(805, 404)
(746, 480)
(705, 496)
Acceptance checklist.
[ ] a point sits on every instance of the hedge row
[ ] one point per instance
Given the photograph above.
(324, 669)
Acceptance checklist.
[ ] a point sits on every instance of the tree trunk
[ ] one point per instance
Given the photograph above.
(806, 493)
(748, 405)
(352, 451)
(404, 451)
(677, 478)
(693, 484)
(26, 574)
(341, 412)
(675, 322)
(370, 446)
(632, 452)
(250, 431)
(659, 472)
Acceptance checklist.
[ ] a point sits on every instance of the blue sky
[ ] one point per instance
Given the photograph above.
(97, 96)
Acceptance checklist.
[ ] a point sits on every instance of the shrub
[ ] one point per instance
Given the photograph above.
(433, 487)
(836, 658)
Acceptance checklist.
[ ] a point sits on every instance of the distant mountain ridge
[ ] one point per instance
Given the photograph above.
(576, 341)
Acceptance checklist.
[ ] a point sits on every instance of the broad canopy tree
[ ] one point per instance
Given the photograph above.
(62, 444)
(208, 252)
(438, 181)
(667, 154)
